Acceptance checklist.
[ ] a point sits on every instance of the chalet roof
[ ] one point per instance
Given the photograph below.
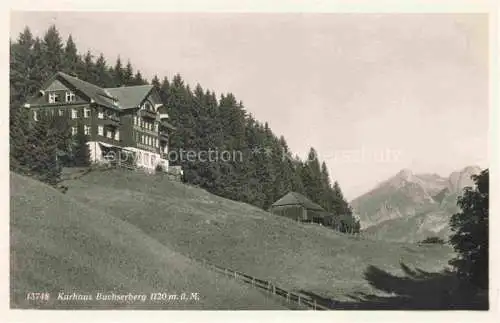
(90, 90)
(130, 96)
(124, 97)
(293, 198)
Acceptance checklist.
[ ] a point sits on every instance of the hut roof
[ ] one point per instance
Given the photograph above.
(293, 198)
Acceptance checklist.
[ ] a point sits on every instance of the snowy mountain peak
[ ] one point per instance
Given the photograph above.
(407, 194)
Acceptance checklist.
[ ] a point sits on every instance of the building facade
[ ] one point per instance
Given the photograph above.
(125, 124)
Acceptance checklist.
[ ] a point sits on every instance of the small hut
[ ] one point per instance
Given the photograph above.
(298, 207)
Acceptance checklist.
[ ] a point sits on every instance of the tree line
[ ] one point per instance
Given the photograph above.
(266, 170)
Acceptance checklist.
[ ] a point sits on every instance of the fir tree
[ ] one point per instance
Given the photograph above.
(87, 70)
(103, 76)
(327, 198)
(20, 131)
(71, 60)
(63, 138)
(42, 156)
(341, 206)
(82, 151)
(311, 176)
(117, 72)
(22, 66)
(156, 82)
(138, 79)
(52, 52)
(128, 74)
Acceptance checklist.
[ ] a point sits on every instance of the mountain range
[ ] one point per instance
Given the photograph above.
(411, 207)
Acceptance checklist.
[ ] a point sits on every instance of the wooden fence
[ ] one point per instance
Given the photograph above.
(301, 300)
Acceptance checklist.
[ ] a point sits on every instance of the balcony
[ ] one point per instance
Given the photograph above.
(148, 114)
(112, 120)
(165, 126)
(163, 136)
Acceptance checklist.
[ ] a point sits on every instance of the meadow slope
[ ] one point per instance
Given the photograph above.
(59, 244)
(300, 257)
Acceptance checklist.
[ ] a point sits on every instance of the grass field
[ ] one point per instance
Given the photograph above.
(189, 221)
(86, 247)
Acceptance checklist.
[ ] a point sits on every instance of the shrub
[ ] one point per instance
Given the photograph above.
(435, 240)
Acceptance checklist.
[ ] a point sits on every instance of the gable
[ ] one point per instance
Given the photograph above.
(154, 97)
(57, 86)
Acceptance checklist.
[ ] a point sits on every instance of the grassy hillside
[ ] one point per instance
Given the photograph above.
(193, 222)
(58, 242)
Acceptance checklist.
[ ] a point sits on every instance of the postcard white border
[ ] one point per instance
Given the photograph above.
(355, 6)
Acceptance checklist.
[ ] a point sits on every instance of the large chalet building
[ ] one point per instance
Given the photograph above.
(122, 119)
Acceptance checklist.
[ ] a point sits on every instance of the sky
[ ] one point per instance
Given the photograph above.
(373, 94)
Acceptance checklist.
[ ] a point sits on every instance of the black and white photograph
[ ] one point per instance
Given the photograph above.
(306, 161)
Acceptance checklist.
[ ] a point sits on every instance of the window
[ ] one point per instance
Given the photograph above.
(86, 113)
(53, 97)
(136, 121)
(70, 97)
(109, 134)
(35, 115)
(157, 143)
(142, 123)
(117, 135)
(61, 112)
(156, 126)
(87, 130)
(74, 131)
(74, 114)
(153, 158)
(100, 130)
(100, 115)
(143, 139)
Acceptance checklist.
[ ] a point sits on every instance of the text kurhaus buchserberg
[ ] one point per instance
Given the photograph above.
(129, 297)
